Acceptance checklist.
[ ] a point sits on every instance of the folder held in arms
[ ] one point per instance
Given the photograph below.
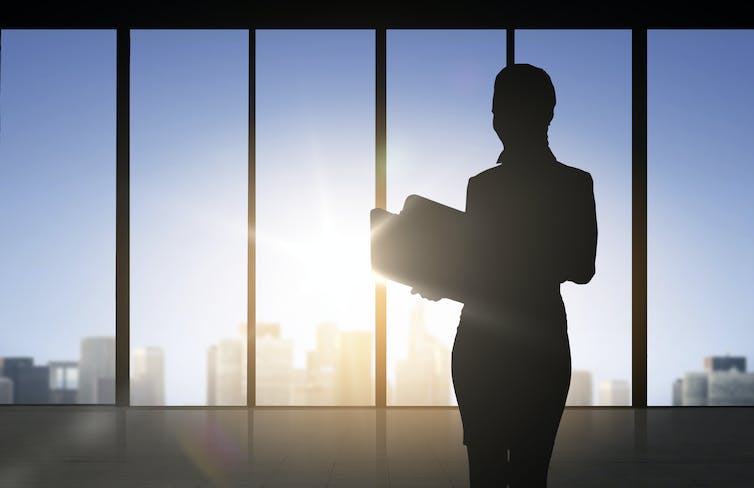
(423, 246)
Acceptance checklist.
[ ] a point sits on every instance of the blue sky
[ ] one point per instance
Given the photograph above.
(315, 156)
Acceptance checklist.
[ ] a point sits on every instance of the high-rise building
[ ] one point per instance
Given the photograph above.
(678, 392)
(148, 382)
(725, 363)
(6, 390)
(31, 384)
(64, 381)
(423, 377)
(226, 367)
(274, 366)
(731, 387)
(694, 389)
(580, 391)
(319, 380)
(97, 370)
(614, 393)
(354, 382)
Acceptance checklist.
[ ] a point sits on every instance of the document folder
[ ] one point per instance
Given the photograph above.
(423, 246)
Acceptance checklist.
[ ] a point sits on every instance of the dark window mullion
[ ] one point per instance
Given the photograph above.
(639, 217)
(251, 195)
(380, 197)
(122, 220)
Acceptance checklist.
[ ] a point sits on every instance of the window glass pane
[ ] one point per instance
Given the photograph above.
(591, 130)
(315, 188)
(439, 133)
(189, 131)
(700, 215)
(57, 215)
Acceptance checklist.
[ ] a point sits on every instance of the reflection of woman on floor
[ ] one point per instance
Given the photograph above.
(532, 226)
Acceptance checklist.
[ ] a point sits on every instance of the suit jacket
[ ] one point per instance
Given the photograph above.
(531, 225)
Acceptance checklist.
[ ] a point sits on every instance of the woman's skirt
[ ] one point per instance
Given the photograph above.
(511, 376)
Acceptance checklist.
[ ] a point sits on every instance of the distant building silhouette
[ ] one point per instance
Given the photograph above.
(731, 387)
(31, 384)
(148, 382)
(678, 392)
(320, 366)
(724, 382)
(6, 390)
(423, 377)
(694, 389)
(354, 368)
(226, 362)
(580, 391)
(64, 381)
(274, 366)
(725, 363)
(97, 370)
(614, 393)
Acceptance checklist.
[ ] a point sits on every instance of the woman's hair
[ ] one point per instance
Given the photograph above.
(524, 89)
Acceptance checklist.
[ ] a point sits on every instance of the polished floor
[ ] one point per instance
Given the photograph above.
(290, 447)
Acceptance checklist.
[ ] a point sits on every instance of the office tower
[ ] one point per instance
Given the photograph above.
(694, 389)
(354, 385)
(731, 387)
(320, 366)
(423, 377)
(327, 344)
(614, 393)
(580, 391)
(226, 363)
(64, 381)
(31, 384)
(6, 390)
(148, 381)
(271, 329)
(725, 363)
(97, 370)
(274, 367)
(678, 392)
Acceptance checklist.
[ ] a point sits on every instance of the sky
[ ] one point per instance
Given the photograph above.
(315, 185)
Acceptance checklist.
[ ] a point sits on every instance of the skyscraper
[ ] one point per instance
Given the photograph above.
(274, 368)
(725, 363)
(423, 377)
(614, 393)
(678, 392)
(694, 389)
(64, 381)
(320, 366)
(580, 391)
(226, 366)
(97, 370)
(731, 387)
(6, 390)
(354, 385)
(31, 384)
(148, 383)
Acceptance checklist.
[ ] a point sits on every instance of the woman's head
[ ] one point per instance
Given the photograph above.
(523, 103)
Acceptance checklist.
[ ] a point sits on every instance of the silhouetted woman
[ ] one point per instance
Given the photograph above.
(532, 226)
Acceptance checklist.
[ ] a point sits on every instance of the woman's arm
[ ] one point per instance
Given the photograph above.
(580, 268)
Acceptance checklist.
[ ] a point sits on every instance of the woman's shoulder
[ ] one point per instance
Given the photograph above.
(572, 171)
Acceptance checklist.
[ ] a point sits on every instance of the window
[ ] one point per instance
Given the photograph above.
(700, 213)
(57, 215)
(189, 116)
(314, 190)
